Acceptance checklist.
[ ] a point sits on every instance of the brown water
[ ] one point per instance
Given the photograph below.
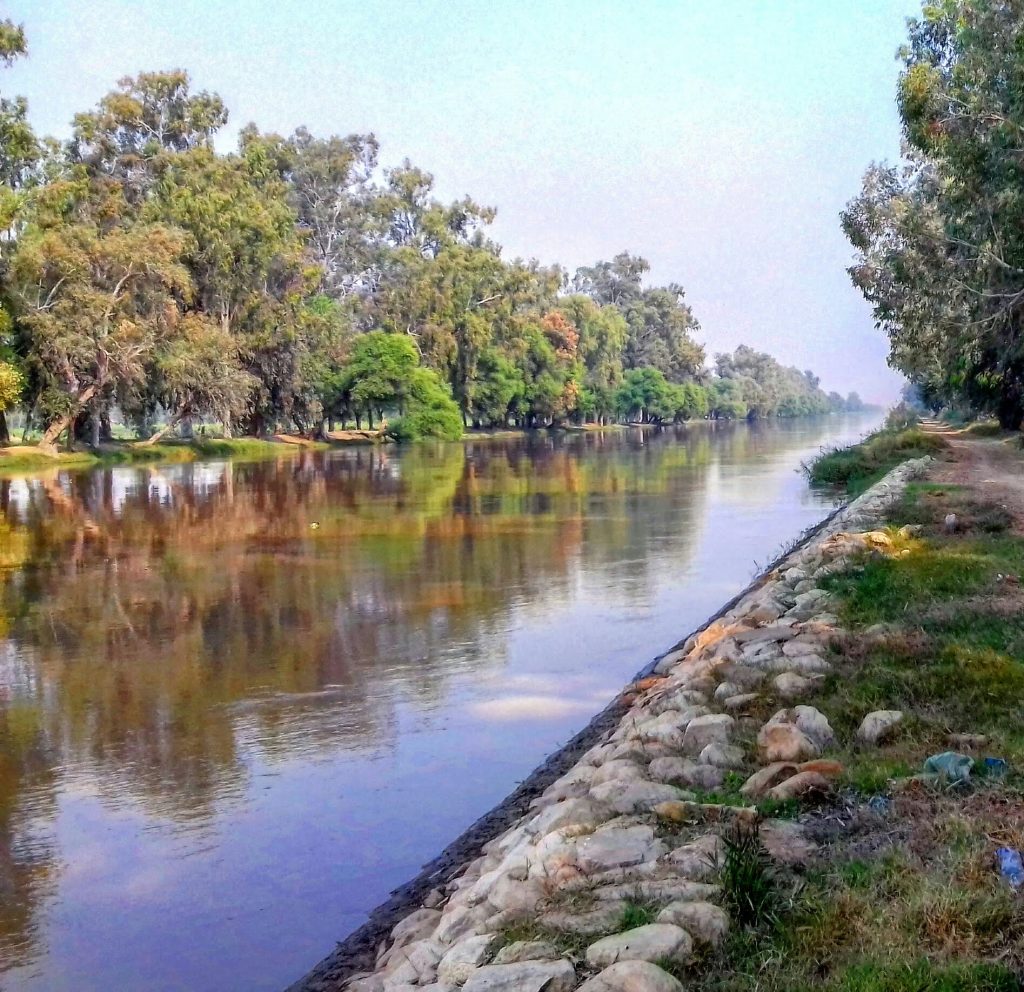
(241, 702)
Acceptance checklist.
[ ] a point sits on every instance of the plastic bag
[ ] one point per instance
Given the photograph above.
(954, 767)
(1010, 865)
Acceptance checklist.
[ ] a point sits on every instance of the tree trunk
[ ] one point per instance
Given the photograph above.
(5, 433)
(48, 441)
(166, 429)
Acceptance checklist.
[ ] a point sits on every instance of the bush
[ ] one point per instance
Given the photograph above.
(440, 419)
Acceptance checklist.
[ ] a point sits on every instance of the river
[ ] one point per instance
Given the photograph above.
(240, 702)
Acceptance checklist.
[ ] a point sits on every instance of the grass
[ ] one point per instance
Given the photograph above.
(911, 902)
(858, 467)
(746, 876)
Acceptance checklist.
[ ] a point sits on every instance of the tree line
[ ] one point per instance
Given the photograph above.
(939, 237)
(297, 282)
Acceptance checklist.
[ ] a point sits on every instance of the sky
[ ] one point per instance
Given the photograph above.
(719, 139)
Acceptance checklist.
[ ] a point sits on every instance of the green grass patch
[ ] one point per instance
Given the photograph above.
(859, 466)
(22, 460)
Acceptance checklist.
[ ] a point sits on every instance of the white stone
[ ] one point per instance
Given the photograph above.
(525, 976)
(722, 756)
(877, 727)
(617, 846)
(631, 797)
(654, 942)
(705, 922)
(632, 976)
(716, 728)
(464, 957)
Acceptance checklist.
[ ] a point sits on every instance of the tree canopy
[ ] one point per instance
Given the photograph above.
(939, 237)
(295, 282)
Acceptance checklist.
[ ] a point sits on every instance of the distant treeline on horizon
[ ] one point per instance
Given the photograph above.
(296, 282)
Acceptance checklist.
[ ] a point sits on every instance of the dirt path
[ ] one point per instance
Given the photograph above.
(992, 468)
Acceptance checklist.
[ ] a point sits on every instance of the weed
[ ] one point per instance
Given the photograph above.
(745, 873)
(637, 914)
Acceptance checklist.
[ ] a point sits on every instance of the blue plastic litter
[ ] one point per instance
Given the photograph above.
(1010, 865)
(880, 804)
(995, 767)
(955, 768)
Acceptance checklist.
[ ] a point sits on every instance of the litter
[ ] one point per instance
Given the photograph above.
(879, 804)
(954, 767)
(996, 767)
(1010, 866)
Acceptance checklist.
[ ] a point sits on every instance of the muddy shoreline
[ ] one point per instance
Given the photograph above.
(358, 951)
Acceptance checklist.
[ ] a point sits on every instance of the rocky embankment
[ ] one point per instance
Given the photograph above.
(724, 730)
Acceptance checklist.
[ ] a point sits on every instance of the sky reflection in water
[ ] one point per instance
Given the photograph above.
(226, 734)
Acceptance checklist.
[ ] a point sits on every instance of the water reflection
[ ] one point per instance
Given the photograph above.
(335, 631)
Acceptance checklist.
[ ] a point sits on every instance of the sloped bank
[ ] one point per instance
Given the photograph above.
(635, 815)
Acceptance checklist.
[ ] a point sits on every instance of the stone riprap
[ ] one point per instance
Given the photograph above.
(626, 823)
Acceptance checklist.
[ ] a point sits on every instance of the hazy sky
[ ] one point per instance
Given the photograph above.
(717, 138)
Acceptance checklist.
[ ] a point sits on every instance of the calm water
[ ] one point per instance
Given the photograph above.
(240, 703)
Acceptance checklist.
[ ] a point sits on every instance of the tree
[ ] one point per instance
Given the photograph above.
(198, 373)
(940, 240)
(247, 263)
(95, 294)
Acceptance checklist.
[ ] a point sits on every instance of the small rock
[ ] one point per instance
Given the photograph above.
(789, 685)
(617, 770)
(568, 812)
(617, 846)
(761, 781)
(810, 722)
(705, 922)
(799, 785)
(525, 976)
(526, 950)
(786, 842)
(632, 797)
(632, 976)
(697, 860)
(654, 942)
(716, 728)
(727, 689)
(464, 957)
(779, 742)
(823, 766)
(879, 726)
(743, 701)
(722, 756)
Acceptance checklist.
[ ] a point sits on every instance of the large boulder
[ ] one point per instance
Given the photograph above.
(722, 756)
(654, 942)
(766, 778)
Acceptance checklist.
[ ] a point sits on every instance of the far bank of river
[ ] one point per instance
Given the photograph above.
(243, 701)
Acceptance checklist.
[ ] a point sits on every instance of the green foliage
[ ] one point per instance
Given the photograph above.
(859, 466)
(940, 255)
(745, 874)
(637, 914)
(152, 274)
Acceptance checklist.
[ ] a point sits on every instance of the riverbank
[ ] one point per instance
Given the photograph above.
(736, 837)
(17, 459)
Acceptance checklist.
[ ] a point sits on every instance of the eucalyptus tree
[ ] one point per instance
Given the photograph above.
(97, 293)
